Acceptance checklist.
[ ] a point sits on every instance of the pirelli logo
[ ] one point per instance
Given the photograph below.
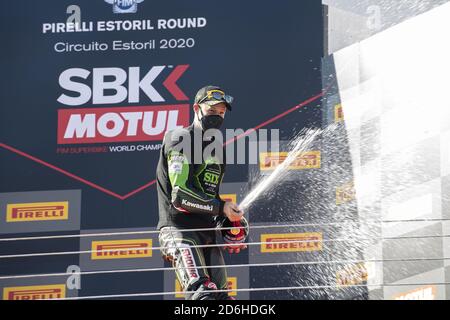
(305, 160)
(291, 242)
(345, 193)
(178, 289)
(121, 249)
(56, 291)
(231, 285)
(229, 197)
(352, 275)
(37, 211)
(338, 113)
(424, 293)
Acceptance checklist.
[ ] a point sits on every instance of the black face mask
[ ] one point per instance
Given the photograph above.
(211, 121)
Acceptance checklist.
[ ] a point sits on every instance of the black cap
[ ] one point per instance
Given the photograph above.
(202, 94)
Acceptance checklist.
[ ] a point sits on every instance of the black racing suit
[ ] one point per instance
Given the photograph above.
(188, 198)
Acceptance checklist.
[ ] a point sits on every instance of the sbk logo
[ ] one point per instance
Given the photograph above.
(119, 124)
(117, 84)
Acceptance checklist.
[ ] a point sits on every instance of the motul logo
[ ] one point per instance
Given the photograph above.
(287, 242)
(121, 124)
(305, 160)
(122, 85)
(121, 249)
(38, 211)
(35, 292)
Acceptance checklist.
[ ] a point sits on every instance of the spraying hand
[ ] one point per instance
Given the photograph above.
(232, 212)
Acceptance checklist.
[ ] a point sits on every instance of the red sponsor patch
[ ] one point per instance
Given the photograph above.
(121, 124)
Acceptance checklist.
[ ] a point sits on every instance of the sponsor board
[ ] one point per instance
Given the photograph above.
(229, 197)
(133, 250)
(414, 280)
(353, 274)
(305, 160)
(424, 293)
(57, 291)
(121, 249)
(37, 211)
(40, 211)
(232, 285)
(338, 113)
(293, 242)
(345, 193)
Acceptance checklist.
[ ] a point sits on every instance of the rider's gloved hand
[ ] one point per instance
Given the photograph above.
(232, 212)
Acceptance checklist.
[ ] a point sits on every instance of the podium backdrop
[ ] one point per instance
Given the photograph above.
(88, 89)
